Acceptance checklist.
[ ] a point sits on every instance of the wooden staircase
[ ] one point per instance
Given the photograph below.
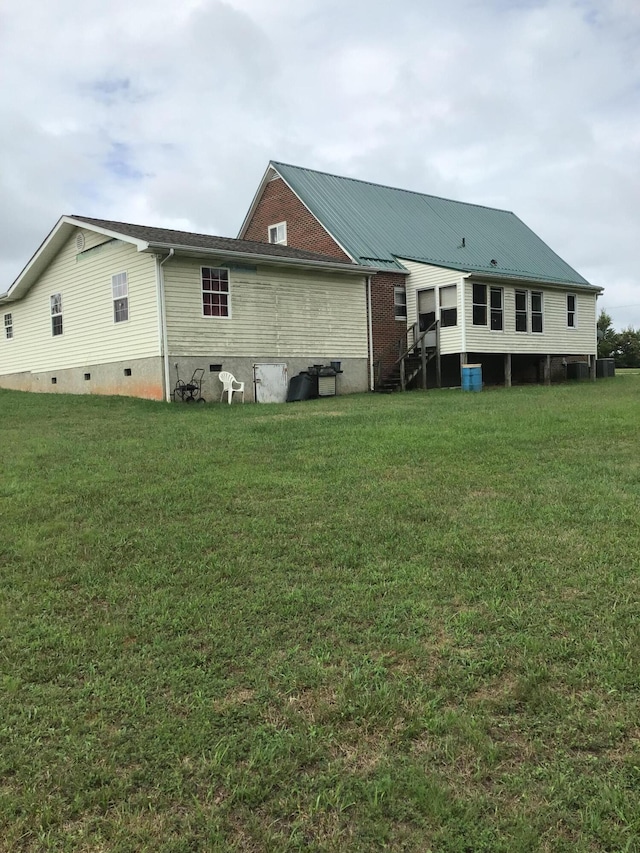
(415, 350)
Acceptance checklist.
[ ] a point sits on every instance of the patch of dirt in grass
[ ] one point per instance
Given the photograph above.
(298, 416)
(496, 692)
(361, 754)
(234, 698)
(314, 704)
(240, 838)
(483, 494)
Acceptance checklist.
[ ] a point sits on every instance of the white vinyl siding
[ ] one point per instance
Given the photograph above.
(554, 337)
(424, 276)
(277, 312)
(90, 334)
(91, 240)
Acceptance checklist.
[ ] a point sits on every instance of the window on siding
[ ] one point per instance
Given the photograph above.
(278, 233)
(120, 294)
(215, 292)
(572, 315)
(426, 308)
(521, 311)
(449, 305)
(479, 304)
(536, 311)
(400, 303)
(56, 314)
(8, 326)
(496, 313)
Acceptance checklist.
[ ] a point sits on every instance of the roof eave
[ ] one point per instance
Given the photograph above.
(532, 282)
(50, 246)
(247, 257)
(254, 202)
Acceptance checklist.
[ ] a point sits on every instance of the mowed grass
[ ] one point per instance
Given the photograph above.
(365, 623)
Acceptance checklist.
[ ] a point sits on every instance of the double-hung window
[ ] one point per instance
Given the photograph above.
(120, 295)
(400, 303)
(536, 311)
(521, 311)
(215, 292)
(572, 312)
(8, 326)
(56, 314)
(528, 311)
(278, 233)
(479, 304)
(496, 313)
(449, 306)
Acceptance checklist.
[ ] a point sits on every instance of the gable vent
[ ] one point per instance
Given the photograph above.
(79, 241)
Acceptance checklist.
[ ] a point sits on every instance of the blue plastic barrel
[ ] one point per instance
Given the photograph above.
(472, 377)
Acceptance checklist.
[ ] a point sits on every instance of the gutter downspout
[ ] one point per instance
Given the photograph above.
(163, 320)
(464, 280)
(370, 334)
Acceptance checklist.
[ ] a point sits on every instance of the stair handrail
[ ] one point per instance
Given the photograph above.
(410, 348)
(403, 352)
(394, 345)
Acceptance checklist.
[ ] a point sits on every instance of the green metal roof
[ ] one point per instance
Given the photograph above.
(377, 225)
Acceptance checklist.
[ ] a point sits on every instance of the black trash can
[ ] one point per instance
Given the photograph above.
(302, 387)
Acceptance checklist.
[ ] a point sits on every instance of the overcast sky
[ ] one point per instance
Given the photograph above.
(166, 113)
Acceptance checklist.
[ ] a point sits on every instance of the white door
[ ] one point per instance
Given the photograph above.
(271, 383)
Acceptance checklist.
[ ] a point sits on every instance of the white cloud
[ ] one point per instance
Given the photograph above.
(168, 113)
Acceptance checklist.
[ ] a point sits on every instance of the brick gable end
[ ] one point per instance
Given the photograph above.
(279, 204)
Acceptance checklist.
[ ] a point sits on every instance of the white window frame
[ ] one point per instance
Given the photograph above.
(55, 302)
(277, 233)
(400, 303)
(120, 297)
(572, 313)
(8, 326)
(213, 292)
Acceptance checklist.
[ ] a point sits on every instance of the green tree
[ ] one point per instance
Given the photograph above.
(628, 348)
(607, 337)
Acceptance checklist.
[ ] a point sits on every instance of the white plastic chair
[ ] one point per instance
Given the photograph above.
(229, 385)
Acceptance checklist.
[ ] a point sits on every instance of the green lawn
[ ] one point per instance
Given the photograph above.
(403, 623)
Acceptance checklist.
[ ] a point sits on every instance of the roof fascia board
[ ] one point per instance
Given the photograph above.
(497, 278)
(258, 195)
(272, 260)
(141, 245)
(482, 278)
(254, 203)
(58, 234)
(322, 225)
(23, 275)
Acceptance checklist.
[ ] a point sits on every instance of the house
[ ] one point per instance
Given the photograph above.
(460, 282)
(112, 308)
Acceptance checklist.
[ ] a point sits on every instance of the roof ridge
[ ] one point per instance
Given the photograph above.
(389, 187)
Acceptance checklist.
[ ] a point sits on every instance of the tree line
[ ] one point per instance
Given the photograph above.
(624, 346)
